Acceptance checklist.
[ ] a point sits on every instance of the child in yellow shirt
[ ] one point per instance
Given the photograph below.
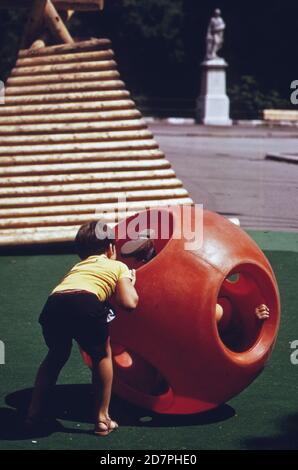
(78, 309)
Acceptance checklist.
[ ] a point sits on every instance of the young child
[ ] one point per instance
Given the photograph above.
(78, 309)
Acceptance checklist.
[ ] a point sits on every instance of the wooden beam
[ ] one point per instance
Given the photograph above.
(38, 44)
(79, 5)
(34, 22)
(65, 68)
(56, 25)
(82, 46)
(138, 143)
(61, 4)
(65, 87)
(63, 77)
(91, 56)
(44, 10)
(67, 107)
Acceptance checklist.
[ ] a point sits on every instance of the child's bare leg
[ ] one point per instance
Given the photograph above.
(102, 378)
(46, 378)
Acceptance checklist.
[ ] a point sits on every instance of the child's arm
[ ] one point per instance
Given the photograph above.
(126, 294)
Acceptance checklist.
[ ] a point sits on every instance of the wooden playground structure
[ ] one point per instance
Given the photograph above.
(71, 139)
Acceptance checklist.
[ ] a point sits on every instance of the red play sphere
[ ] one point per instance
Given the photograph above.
(169, 354)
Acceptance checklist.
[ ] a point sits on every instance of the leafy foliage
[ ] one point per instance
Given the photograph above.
(11, 26)
(248, 100)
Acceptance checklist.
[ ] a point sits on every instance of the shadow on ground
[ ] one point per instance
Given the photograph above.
(74, 403)
(286, 439)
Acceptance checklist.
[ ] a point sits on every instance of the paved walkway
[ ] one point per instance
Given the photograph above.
(225, 169)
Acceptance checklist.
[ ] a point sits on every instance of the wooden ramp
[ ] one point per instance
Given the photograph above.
(72, 143)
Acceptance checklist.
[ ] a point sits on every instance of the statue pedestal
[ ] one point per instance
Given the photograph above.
(213, 104)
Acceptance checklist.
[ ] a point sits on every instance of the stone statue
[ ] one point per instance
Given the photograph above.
(215, 35)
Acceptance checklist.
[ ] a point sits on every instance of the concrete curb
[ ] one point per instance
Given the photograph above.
(283, 157)
(239, 123)
(170, 120)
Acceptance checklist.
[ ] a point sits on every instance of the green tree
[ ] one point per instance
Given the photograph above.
(248, 100)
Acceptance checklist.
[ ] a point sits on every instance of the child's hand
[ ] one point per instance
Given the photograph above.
(262, 312)
(133, 276)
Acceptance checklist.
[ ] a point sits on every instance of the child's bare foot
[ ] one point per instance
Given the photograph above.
(262, 312)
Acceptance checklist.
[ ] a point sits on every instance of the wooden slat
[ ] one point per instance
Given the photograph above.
(36, 238)
(38, 230)
(117, 190)
(71, 219)
(65, 58)
(110, 115)
(108, 182)
(70, 172)
(90, 45)
(66, 107)
(85, 157)
(64, 87)
(70, 127)
(78, 147)
(64, 68)
(49, 139)
(108, 198)
(48, 234)
(66, 97)
(63, 78)
(85, 5)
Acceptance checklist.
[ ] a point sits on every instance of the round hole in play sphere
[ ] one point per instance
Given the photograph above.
(241, 292)
(158, 223)
(233, 278)
(139, 374)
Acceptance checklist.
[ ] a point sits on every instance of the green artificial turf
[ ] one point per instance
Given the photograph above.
(264, 416)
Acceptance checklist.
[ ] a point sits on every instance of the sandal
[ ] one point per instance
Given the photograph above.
(103, 428)
(113, 424)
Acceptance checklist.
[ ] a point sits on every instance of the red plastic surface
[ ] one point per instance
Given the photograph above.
(169, 354)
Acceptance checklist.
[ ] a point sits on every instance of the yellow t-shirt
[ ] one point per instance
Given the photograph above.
(97, 274)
